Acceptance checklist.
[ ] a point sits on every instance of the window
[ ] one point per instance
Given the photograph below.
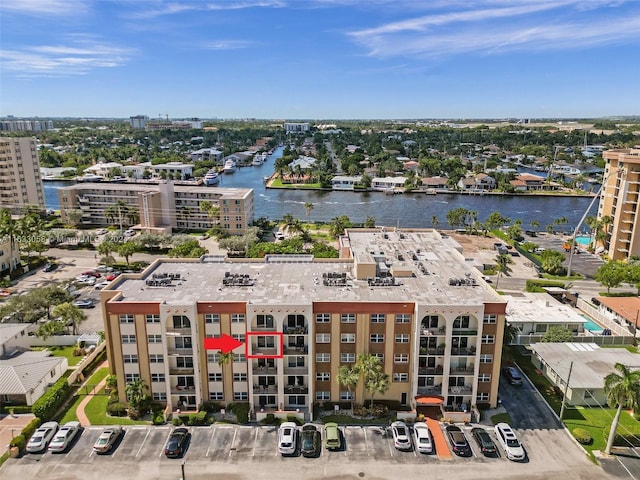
(401, 358)
(323, 395)
(294, 362)
(213, 357)
(348, 318)
(155, 338)
(159, 396)
(323, 376)
(128, 339)
(240, 337)
(266, 342)
(348, 338)
(240, 396)
(184, 362)
(130, 358)
(376, 338)
(239, 357)
(488, 339)
(490, 318)
(126, 318)
(462, 321)
(377, 317)
(379, 356)
(152, 318)
(216, 396)
(482, 397)
(484, 377)
(296, 400)
(156, 358)
(237, 318)
(215, 377)
(183, 342)
(402, 338)
(486, 358)
(180, 321)
(323, 338)
(211, 318)
(131, 377)
(323, 317)
(348, 357)
(403, 318)
(157, 377)
(400, 377)
(323, 357)
(346, 396)
(541, 328)
(264, 321)
(239, 377)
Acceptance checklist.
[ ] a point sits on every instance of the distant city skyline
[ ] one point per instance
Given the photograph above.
(320, 59)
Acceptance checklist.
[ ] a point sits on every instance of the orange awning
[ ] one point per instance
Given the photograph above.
(429, 400)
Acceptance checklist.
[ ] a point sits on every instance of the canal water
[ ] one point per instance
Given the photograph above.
(404, 210)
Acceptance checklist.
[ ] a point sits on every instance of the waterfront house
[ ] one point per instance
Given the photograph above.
(385, 183)
(206, 154)
(527, 182)
(410, 165)
(481, 181)
(438, 183)
(343, 182)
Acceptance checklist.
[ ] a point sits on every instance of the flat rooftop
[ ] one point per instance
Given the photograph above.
(540, 308)
(426, 262)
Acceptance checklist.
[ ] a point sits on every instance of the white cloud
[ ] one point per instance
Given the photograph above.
(172, 8)
(77, 58)
(44, 7)
(227, 44)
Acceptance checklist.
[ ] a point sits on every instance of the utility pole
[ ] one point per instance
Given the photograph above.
(182, 466)
(564, 395)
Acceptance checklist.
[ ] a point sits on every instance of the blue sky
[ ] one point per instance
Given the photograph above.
(320, 59)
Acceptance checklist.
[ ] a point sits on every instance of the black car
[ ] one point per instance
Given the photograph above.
(310, 443)
(50, 267)
(512, 375)
(177, 443)
(485, 444)
(458, 441)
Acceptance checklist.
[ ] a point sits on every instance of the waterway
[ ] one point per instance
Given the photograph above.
(404, 210)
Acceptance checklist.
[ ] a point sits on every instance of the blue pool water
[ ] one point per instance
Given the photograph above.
(583, 239)
(591, 325)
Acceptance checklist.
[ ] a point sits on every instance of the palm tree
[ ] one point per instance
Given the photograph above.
(136, 394)
(370, 367)
(502, 262)
(69, 315)
(348, 377)
(377, 383)
(623, 389)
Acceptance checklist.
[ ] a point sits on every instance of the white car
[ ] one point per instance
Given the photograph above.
(101, 231)
(510, 443)
(41, 437)
(63, 438)
(86, 280)
(101, 285)
(129, 233)
(287, 436)
(422, 437)
(400, 433)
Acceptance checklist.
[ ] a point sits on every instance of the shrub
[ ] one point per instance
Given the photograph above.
(176, 421)
(294, 419)
(19, 441)
(116, 409)
(78, 352)
(241, 410)
(211, 407)
(582, 436)
(49, 403)
(18, 409)
(31, 427)
(199, 418)
(271, 419)
(158, 419)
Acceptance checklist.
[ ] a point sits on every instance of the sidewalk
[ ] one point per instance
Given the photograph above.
(82, 418)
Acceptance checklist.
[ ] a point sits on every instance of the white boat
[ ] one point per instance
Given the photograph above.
(259, 159)
(89, 177)
(212, 177)
(229, 166)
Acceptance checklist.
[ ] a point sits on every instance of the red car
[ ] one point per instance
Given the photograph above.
(91, 273)
(113, 276)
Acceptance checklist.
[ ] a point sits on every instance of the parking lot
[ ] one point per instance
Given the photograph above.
(253, 451)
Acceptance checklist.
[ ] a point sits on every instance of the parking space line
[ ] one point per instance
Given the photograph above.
(625, 467)
(233, 441)
(366, 440)
(143, 440)
(255, 441)
(165, 442)
(389, 444)
(210, 441)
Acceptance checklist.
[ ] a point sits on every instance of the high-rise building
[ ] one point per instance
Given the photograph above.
(619, 200)
(20, 181)
(138, 121)
(293, 127)
(407, 297)
(13, 125)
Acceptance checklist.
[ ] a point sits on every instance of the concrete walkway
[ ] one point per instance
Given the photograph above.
(82, 417)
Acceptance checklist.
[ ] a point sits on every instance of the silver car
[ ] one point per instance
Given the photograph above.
(401, 437)
(63, 438)
(41, 437)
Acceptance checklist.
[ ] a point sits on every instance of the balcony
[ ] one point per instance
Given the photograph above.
(265, 389)
(464, 332)
(303, 370)
(434, 390)
(463, 351)
(461, 370)
(432, 351)
(430, 370)
(183, 390)
(429, 332)
(296, 349)
(266, 351)
(181, 370)
(180, 351)
(296, 389)
(299, 330)
(178, 331)
(460, 390)
(264, 369)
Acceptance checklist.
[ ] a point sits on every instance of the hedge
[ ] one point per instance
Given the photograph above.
(116, 409)
(31, 427)
(241, 411)
(19, 441)
(18, 409)
(199, 418)
(48, 404)
(582, 436)
(538, 285)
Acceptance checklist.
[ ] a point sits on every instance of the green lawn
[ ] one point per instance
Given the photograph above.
(98, 375)
(501, 417)
(595, 421)
(66, 352)
(96, 411)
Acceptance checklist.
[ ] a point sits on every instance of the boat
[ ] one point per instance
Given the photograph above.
(229, 166)
(212, 177)
(259, 159)
(89, 177)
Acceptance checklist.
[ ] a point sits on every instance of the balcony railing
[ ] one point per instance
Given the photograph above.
(183, 390)
(296, 349)
(430, 371)
(296, 389)
(431, 351)
(460, 390)
(179, 331)
(256, 350)
(180, 371)
(179, 351)
(295, 370)
(463, 351)
(264, 370)
(427, 332)
(295, 330)
(464, 331)
(459, 370)
(264, 389)
(435, 390)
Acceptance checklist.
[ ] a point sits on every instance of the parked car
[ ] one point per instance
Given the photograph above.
(458, 441)
(101, 285)
(91, 273)
(104, 269)
(50, 267)
(400, 433)
(485, 444)
(422, 437)
(332, 436)
(511, 445)
(63, 438)
(83, 303)
(101, 231)
(112, 276)
(41, 437)
(512, 375)
(85, 280)
(287, 438)
(279, 235)
(107, 439)
(177, 443)
(129, 233)
(310, 443)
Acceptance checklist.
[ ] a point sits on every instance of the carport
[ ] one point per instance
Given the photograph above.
(430, 406)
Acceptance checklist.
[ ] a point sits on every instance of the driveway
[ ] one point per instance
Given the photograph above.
(527, 408)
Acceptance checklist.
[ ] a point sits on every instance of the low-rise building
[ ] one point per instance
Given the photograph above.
(25, 377)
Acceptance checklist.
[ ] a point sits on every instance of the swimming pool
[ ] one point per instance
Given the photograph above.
(592, 326)
(583, 239)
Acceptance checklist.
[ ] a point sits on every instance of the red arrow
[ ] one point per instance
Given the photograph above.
(224, 343)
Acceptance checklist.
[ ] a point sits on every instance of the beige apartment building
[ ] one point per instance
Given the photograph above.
(620, 196)
(408, 297)
(163, 207)
(20, 181)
